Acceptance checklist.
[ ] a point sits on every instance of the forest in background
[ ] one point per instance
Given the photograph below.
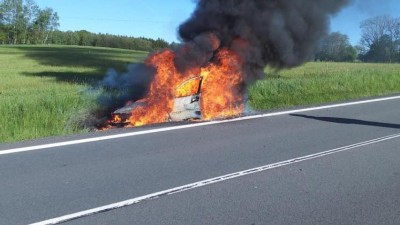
(24, 22)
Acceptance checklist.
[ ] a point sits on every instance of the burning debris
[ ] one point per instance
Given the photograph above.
(227, 43)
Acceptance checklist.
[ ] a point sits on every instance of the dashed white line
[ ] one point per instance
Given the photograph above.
(137, 133)
(207, 182)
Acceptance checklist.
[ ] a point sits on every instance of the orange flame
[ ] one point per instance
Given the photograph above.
(159, 101)
(220, 92)
(188, 88)
(116, 119)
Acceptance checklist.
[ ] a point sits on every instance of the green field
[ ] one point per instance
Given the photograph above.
(322, 82)
(43, 88)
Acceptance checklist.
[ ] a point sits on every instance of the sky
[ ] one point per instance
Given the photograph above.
(161, 19)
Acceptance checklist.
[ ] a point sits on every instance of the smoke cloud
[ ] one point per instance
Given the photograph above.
(279, 33)
(115, 91)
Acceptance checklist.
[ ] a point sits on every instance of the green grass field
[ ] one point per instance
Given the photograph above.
(43, 87)
(322, 82)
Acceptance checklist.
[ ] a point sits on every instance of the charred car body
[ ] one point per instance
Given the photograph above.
(186, 104)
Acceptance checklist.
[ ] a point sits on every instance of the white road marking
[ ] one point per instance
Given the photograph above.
(137, 133)
(208, 182)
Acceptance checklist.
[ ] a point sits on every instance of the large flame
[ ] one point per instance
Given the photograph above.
(220, 89)
(221, 94)
(159, 101)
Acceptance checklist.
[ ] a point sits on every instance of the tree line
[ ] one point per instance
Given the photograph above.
(380, 42)
(85, 38)
(24, 22)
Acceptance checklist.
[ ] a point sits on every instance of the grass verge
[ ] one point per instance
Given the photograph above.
(321, 82)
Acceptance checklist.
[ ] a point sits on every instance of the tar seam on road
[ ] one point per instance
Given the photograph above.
(208, 182)
(137, 133)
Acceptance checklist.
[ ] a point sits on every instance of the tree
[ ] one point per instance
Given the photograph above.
(21, 22)
(46, 22)
(382, 50)
(71, 38)
(374, 28)
(30, 10)
(3, 30)
(85, 38)
(336, 47)
(12, 19)
(3, 34)
(54, 24)
(160, 44)
(380, 39)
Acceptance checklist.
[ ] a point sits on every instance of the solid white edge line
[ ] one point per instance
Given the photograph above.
(187, 187)
(136, 133)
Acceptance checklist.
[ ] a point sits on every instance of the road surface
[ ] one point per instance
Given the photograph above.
(326, 165)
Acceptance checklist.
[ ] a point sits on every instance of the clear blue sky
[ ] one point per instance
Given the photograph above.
(157, 18)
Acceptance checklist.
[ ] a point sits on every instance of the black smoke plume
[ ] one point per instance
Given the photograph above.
(279, 33)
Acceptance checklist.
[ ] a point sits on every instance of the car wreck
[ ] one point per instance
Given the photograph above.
(186, 105)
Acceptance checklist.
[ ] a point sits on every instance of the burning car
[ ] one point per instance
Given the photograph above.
(186, 104)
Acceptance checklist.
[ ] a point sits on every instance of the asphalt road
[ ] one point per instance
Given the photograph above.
(360, 185)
